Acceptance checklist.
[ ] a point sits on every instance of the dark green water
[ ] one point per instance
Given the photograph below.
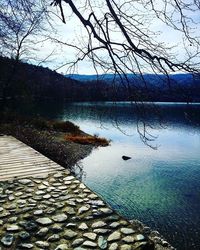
(159, 187)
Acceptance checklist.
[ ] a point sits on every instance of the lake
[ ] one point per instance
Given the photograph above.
(160, 184)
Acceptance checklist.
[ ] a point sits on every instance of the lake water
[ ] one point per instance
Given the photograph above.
(160, 187)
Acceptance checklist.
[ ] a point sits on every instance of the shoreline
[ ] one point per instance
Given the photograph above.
(45, 143)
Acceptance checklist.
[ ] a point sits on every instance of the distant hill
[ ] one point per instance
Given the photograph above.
(150, 78)
(32, 82)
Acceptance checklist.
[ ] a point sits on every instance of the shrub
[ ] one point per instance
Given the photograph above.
(93, 140)
(66, 126)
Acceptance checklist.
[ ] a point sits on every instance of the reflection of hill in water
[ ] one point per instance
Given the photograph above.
(174, 115)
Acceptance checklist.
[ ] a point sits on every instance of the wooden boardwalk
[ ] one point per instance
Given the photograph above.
(19, 160)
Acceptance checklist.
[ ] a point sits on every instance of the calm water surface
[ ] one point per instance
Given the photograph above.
(159, 187)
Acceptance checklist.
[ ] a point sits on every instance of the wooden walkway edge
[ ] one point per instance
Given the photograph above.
(19, 160)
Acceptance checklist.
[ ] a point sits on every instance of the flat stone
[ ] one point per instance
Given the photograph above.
(88, 243)
(113, 246)
(125, 247)
(127, 231)
(30, 226)
(47, 196)
(11, 197)
(50, 210)
(18, 194)
(58, 175)
(106, 210)
(77, 242)
(90, 236)
(92, 196)
(24, 181)
(12, 219)
(54, 237)
(24, 235)
(102, 231)
(68, 178)
(60, 218)
(71, 225)
(38, 212)
(99, 224)
(102, 242)
(43, 232)
(62, 247)
(62, 187)
(129, 239)
(139, 237)
(71, 203)
(69, 210)
(20, 201)
(83, 226)
(44, 221)
(69, 234)
(114, 236)
(56, 228)
(41, 187)
(83, 209)
(12, 228)
(114, 225)
(97, 203)
(46, 183)
(7, 240)
(40, 192)
(82, 186)
(26, 246)
(42, 244)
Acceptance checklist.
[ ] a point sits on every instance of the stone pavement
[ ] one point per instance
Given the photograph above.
(59, 212)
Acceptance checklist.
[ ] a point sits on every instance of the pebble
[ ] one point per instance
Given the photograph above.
(83, 226)
(129, 239)
(90, 236)
(24, 235)
(62, 247)
(88, 243)
(77, 242)
(44, 221)
(42, 244)
(38, 212)
(114, 236)
(68, 178)
(125, 247)
(69, 234)
(54, 237)
(12, 228)
(59, 217)
(83, 209)
(7, 240)
(125, 230)
(25, 181)
(26, 246)
(43, 232)
(140, 237)
(113, 246)
(102, 242)
(98, 224)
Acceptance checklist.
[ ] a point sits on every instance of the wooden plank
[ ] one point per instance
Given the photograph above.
(19, 160)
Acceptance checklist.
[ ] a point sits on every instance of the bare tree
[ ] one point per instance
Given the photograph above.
(120, 37)
(22, 26)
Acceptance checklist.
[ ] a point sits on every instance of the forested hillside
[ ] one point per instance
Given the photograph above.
(22, 80)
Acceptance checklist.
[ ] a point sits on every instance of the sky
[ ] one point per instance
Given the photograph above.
(74, 33)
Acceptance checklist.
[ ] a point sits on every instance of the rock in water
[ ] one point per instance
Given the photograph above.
(125, 158)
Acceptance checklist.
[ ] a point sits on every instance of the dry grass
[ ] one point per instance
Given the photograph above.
(87, 139)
